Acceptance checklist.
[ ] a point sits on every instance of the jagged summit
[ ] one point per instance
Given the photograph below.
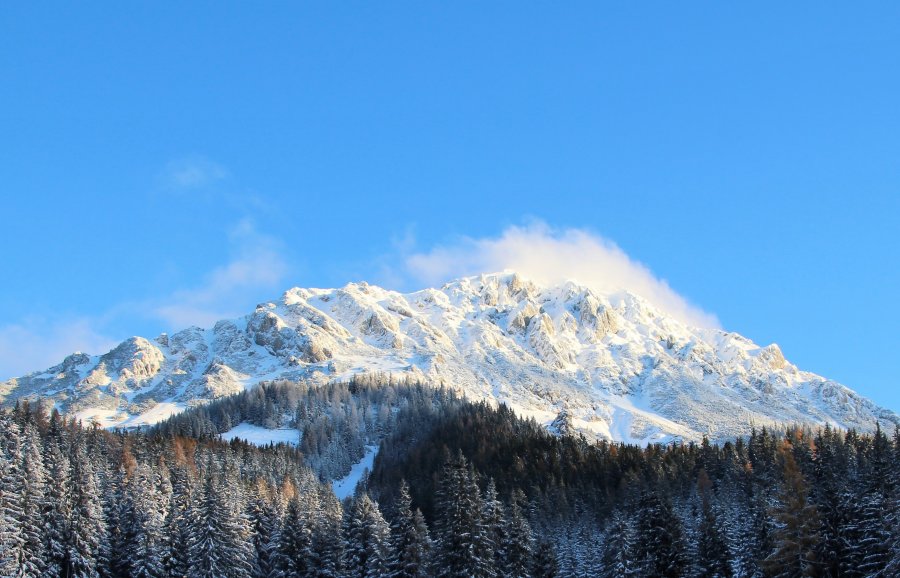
(611, 365)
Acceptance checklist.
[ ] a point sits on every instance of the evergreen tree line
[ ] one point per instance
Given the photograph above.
(335, 421)
(458, 489)
(796, 503)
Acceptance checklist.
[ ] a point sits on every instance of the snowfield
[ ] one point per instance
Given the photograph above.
(260, 436)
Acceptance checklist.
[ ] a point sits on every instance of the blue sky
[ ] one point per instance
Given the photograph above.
(164, 164)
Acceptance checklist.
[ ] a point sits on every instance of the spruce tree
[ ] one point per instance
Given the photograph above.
(33, 563)
(367, 540)
(619, 548)
(660, 548)
(294, 555)
(518, 547)
(411, 546)
(218, 543)
(463, 546)
(545, 564)
(712, 551)
(87, 528)
(12, 487)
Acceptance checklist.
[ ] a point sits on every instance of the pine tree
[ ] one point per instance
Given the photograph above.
(712, 550)
(494, 520)
(58, 507)
(147, 552)
(264, 530)
(178, 525)
(411, 546)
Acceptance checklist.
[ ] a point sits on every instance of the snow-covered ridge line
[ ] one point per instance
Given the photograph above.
(610, 365)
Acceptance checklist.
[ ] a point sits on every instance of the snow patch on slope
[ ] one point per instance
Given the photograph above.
(260, 436)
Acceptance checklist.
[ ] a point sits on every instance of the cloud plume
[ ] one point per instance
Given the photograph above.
(37, 343)
(549, 256)
(257, 265)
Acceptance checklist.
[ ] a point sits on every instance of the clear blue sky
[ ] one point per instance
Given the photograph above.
(157, 159)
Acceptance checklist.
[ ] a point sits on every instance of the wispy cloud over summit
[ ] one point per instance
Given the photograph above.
(547, 255)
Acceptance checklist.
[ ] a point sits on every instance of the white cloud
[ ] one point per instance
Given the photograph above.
(192, 173)
(547, 256)
(256, 266)
(255, 270)
(36, 344)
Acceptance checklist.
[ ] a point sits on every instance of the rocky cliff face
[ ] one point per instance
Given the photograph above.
(611, 366)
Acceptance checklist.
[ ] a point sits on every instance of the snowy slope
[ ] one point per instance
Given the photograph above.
(610, 365)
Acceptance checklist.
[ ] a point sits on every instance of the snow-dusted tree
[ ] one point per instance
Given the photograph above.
(518, 545)
(545, 564)
(367, 538)
(218, 544)
(87, 527)
(12, 486)
(178, 525)
(660, 547)
(494, 521)
(411, 545)
(713, 559)
(264, 530)
(293, 555)
(33, 502)
(151, 491)
(618, 547)
(58, 508)
(463, 548)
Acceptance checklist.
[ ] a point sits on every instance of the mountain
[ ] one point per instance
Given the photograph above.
(609, 365)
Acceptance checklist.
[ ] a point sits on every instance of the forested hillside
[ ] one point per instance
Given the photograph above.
(457, 489)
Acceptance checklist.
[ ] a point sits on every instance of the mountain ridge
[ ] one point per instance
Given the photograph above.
(610, 365)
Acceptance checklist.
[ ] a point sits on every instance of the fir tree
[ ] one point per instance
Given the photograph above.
(33, 502)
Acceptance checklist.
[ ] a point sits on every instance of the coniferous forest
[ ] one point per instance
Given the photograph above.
(458, 489)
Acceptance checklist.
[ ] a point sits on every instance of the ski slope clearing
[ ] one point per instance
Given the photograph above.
(260, 436)
(345, 486)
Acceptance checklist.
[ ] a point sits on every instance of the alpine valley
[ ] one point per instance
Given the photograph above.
(610, 366)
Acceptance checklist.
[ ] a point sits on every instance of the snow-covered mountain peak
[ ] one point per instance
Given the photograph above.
(612, 364)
